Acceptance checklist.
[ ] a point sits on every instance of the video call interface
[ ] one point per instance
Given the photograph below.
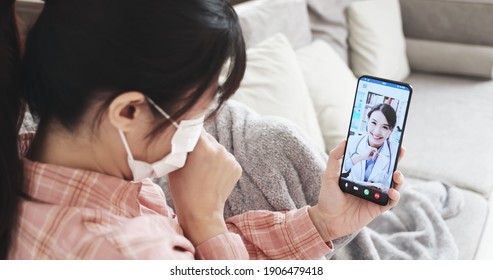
(373, 141)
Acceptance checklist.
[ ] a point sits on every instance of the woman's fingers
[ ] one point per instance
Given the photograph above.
(402, 153)
(398, 180)
(201, 188)
(338, 151)
(375, 154)
(394, 197)
(394, 194)
(334, 163)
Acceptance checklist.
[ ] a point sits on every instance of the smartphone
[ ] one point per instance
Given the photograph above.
(374, 138)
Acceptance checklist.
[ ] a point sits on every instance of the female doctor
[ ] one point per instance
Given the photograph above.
(368, 157)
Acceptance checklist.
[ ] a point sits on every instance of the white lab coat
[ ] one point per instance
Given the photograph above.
(381, 173)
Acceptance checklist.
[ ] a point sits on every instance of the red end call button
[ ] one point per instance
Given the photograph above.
(377, 195)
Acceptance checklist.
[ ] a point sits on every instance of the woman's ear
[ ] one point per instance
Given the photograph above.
(127, 110)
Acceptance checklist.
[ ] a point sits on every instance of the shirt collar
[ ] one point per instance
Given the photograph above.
(68, 187)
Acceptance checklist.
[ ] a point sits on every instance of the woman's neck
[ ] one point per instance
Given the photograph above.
(55, 145)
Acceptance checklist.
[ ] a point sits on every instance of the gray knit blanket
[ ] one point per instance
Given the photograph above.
(282, 170)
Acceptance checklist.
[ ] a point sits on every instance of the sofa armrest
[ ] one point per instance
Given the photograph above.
(455, 21)
(450, 58)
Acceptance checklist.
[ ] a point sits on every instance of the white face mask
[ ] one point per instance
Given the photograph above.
(184, 141)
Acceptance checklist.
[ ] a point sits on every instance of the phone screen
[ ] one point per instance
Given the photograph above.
(374, 138)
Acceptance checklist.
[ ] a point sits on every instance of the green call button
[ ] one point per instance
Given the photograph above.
(366, 192)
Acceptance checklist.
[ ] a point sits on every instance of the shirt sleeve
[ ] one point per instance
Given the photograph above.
(226, 246)
(279, 235)
(148, 237)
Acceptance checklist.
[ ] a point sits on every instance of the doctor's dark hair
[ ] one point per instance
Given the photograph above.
(387, 111)
(83, 52)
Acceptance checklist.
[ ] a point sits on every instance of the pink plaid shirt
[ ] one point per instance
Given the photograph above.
(79, 214)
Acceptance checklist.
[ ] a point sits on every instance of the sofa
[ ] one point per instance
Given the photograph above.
(444, 49)
(449, 50)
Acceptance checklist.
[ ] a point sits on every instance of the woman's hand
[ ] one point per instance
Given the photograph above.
(337, 213)
(201, 188)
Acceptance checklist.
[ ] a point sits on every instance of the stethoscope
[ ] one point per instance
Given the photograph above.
(388, 147)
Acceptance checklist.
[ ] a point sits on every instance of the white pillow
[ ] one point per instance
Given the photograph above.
(332, 87)
(273, 85)
(376, 39)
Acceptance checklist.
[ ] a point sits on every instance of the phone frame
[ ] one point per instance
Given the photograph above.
(348, 186)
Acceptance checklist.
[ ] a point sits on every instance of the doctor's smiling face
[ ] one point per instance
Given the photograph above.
(381, 122)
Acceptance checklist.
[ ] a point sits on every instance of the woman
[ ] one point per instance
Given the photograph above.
(368, 157)
(120, 89)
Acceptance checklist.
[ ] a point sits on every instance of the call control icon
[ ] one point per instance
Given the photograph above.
(366, 192)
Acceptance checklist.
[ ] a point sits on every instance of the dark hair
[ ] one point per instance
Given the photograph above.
(11, 109)
(83, 51)
(387, 111)
(79, 52)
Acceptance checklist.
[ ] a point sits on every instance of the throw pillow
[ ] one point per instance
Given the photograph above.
(273, 85)
(376, 40)
(329, 23)
(331, 85)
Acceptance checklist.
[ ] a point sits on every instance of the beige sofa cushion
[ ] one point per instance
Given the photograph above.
(274, 86)
(261, 19)
(329, 23)
(448, 133)
(332, 86)
(376, 42)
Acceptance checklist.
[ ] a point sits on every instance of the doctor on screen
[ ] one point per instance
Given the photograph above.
(368, 157)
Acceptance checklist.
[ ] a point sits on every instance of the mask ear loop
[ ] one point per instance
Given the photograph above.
(124, 140)
(162, 112)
